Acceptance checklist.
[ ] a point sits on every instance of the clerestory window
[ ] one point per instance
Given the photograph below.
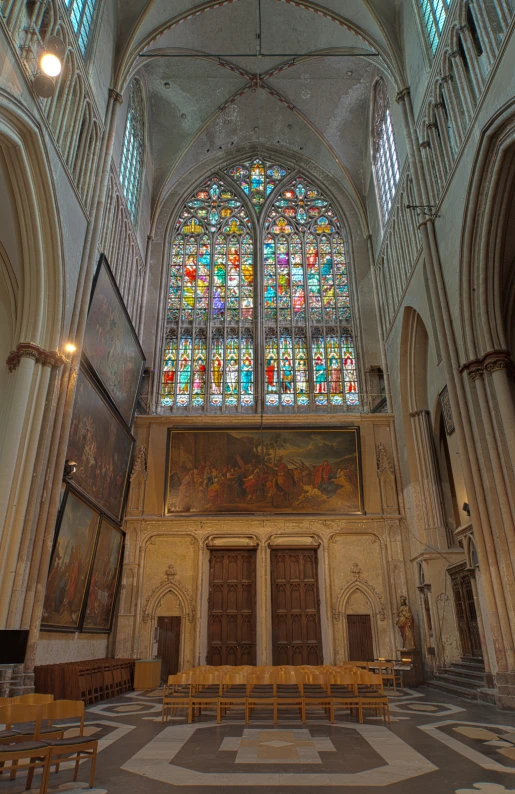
(81, 15)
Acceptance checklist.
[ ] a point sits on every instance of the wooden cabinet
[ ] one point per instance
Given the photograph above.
(147, 674)
(296, 636)
(232, 607)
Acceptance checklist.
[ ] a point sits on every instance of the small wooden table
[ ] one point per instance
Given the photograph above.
(147, 674)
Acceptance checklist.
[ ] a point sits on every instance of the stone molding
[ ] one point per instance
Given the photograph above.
(170, 583)
(384, 463)
(47, 358)
(358, 581)
(140, 463)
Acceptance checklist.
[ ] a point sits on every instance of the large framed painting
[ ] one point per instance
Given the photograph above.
(111, 344)
(101, 446)
(104, 579)
(71, 563)
(269, 471)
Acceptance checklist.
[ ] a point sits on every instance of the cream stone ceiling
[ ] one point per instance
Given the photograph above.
(218, 100)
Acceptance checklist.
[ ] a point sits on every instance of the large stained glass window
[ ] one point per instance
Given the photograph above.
(309, 350)
(257, 178)
(384, 151)
(217, 328)
(209, 348)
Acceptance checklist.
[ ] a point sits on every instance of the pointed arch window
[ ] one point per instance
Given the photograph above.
(217, 328)
(81, 15)
(309, 347)
(131, 169)
(433, 14)
(209, 350)
(384, 150)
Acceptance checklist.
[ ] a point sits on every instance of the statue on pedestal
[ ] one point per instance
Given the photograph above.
(406, 623)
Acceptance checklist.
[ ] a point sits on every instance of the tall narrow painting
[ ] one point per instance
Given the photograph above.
(111, 344)
(101, 446)
(104, 579)
(269, 471)
(70, 565)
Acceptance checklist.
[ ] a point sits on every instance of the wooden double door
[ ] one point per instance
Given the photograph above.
(296, 636)
(232, 607)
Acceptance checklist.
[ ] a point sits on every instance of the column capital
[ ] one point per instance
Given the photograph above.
(47, 358)
(114, 94)
(402, 94)
(425, 145)
(474, 369)
(420, 412)
(497, 359)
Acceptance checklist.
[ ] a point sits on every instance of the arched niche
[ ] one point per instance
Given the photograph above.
(171, 595)
(359, 598)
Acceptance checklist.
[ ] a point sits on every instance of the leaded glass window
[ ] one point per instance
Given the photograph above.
(433, 13)
(257, 178)
(217, 329)
(384, 151)
(309, 350)
(81, 15)
(131, 169)
(209, 350)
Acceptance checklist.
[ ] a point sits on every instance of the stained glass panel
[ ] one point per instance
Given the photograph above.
(199, 372)
(217, 370)
(349, 370)
(81, 16)
(169, 368)
(301, 371)
(320, 370)
(184, 384)
(270, 283)
(272, 393)
(247, 371)
(257, 179)
(131, 165)
(287, 390)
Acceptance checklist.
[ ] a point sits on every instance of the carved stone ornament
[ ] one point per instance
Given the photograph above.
(47, 358)
(140, 463)
(384, 463)
(170, 576)
(357, 576)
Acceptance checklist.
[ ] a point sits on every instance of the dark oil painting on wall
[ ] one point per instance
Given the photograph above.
(104, 579)
(70, 566)
(279, 471)
(101, 447)
(111, 344)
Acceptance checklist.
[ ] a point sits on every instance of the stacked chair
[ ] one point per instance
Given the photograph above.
(90, 681)
(352, 687)
(32, 741)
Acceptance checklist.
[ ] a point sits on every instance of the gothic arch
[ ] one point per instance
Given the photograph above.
(149, 616)
(343, 607)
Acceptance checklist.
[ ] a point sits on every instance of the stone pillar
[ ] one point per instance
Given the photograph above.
(429, 479)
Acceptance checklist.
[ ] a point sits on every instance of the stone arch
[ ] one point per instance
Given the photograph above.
(355, 597)
(150, 615)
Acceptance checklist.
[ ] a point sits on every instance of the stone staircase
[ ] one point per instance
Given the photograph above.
(464, 678)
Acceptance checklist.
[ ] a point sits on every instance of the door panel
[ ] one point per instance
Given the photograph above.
(466, 615)
(232, 607)
(361, 643)
(168, 645)
(296, 637)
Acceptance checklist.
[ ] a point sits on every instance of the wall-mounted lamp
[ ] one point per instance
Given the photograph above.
(51, 64)
(70, 347)
(70, 467)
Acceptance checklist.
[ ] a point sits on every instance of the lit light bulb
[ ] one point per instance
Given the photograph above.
(50, 64)
(70, 348)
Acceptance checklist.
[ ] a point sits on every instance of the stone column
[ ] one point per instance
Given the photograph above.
(431, 495)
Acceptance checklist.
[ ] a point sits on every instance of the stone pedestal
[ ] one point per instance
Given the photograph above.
(505, 697)
(14, 681)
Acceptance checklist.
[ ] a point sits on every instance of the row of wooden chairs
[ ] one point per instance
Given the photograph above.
(275, 689)
(90, 681)
(32, 741)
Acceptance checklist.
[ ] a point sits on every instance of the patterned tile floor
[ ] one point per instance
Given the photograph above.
(436, 745)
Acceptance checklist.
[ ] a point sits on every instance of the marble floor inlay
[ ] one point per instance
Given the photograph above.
(257, 746)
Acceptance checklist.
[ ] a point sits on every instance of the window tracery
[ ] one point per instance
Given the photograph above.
(81, 15)
(131, 168)
(215, 322)
(384, 150)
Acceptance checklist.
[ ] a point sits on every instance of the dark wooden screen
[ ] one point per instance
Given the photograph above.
(466, 612)
(296, 637)
(232, 607)
(361, 643)
(168, 645)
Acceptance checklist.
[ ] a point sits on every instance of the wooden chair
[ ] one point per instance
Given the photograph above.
(206, 693)
(23, 723)
(372, 697)
(390, 675)
(343, 691)
(35, 754)
(261, 692)
(74, 748)
(288, 691)
(315, 694)
(176, 695)
(233, 691)
(33, 699)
